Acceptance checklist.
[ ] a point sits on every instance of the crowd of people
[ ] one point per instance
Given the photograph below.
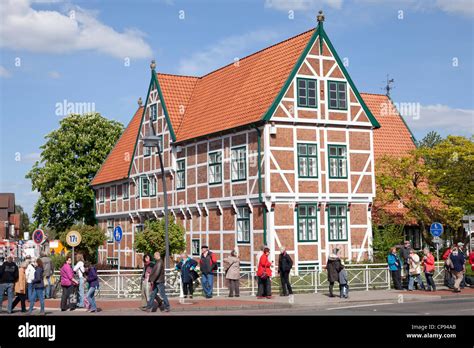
(405, 263)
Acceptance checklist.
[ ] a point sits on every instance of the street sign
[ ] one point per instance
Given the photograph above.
(73, 238)
(436, 240)
(38, 236)
(118, 234)
(436, 229)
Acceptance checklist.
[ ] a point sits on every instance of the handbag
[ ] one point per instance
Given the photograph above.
(194, 275)
(264, 274)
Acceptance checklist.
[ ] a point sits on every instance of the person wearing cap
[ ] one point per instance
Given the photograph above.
(333, 267)
(208, 266)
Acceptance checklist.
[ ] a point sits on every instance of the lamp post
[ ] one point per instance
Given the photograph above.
(151, 141)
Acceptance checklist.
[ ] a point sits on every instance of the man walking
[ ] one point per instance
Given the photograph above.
(8, 277)
(48, 269)
(157, 280)
(208, 265)
(285, 263)
(458, 267)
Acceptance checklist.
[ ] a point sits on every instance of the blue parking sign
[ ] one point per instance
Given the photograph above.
(118, 234)
(436, 229)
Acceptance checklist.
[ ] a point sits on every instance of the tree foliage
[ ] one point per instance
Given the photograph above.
(385, 238)
(430, 140)
(153, 237)
(92, 238)
(24, 219)
(70, 158)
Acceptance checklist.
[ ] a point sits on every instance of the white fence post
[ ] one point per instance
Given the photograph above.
(367, 277)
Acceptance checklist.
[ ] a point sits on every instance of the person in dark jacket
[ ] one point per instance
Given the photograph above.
(38, 287)
(458, 261)
(405, 256)
(48, 267)
(93, 281)
(395, 266)
(186, 266)
(147, 267)
(8, 277)
(285, 263)
(208, 266)
(157, 280)
(333, 266)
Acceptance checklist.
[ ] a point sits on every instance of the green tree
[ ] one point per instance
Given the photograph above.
(70, 158)
(430, 140)
(153, 237)
(386, 237)
(92, 238)
(24, 219)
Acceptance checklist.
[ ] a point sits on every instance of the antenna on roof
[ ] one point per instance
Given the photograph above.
(388, 87)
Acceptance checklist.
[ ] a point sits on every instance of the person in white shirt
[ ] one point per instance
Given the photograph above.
(79, 270)
(30, 275)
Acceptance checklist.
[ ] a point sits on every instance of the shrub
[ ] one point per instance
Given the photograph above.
(386, 237)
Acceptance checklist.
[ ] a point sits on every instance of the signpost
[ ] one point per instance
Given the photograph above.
(118, 234)
(38, 236)
(73, 239)
(436, 230)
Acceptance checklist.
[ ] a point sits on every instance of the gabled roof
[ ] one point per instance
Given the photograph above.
(393, 137)
(117, 164)
(236, 94)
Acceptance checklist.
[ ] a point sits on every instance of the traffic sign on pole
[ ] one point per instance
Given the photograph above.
(436, 229)
(118, 233)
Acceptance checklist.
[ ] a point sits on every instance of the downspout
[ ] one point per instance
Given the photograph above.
(260, 198)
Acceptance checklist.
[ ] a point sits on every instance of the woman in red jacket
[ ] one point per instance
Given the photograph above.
(264, 273)
(471, 259)
(429, 268)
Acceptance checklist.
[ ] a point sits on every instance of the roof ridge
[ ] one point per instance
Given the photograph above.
(177, 75)
(378, 94)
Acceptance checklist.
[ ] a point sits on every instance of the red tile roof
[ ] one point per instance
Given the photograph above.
(251, 85)
(393, 137)
(117, 163)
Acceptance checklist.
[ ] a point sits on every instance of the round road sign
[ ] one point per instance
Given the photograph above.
(38, 236)
(73, 238)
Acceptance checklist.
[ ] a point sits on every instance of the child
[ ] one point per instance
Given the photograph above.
(343, 284)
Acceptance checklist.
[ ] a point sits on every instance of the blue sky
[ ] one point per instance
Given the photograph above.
(76, 50)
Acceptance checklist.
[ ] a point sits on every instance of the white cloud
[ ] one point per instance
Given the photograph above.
(462, 7)
(32, 157)
(301, 5)
(4, 72)
(223, 52)
(54, 74)
(443, 119)
(24, 28)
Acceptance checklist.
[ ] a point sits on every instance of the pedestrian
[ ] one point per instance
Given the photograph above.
(187, 266)
(20, 288)
(48, 272)
(259, 281)
(93, 281)
(333, 266)
(405, 255)
(157, 280)
(208, 266)
(38, 287)
(458, 267)
(414, 270)
(80, 270)
(147, 267)
(429, 269)
(264, 273)
(343, 283)
(461, 250)
(471, 259)
(395, 267)
(30, 275)
(232, 273)
(8, 277)
(67, 284)
(285, 263)
(448, 272)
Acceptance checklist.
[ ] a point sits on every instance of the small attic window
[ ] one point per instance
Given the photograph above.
(337, 95)
(153, 112)
(307, 93)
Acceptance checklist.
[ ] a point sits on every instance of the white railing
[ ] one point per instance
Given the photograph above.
(127, 283)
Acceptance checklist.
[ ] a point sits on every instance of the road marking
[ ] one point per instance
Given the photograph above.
(466, 310)
(365, 305)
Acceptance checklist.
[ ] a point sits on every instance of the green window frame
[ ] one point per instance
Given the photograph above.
(180, 174)
(337, 218)
(307, 160)
(113, 193)
(215, 167)
(126, 190)
(307, 92)
(243, 225)
(239, 164)
(307, 217)
(153, 112)
(144, 186)
(196, 247)
(101, 195)
(152, 183)
(337, 95)
(337, 158)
